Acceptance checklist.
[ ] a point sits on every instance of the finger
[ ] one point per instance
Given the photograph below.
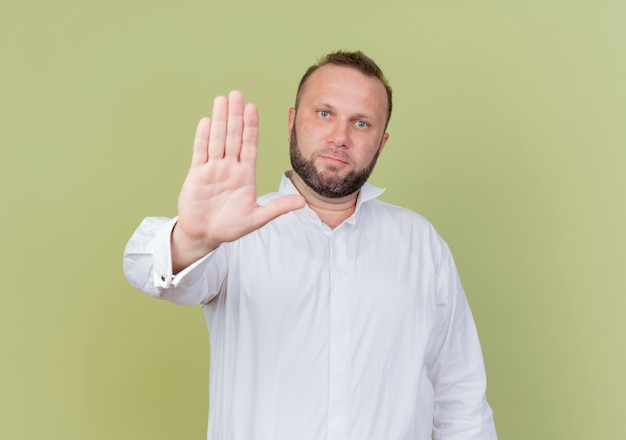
(201, 142)
(250, 135)
(218, 128)
(234, 125)
(277, 207)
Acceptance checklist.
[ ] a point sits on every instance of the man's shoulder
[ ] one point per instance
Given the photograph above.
(380, 207)
(402, 226)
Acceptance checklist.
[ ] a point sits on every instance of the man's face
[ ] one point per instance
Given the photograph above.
(338, 130)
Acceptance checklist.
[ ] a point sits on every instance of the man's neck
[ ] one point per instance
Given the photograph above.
(331, 211)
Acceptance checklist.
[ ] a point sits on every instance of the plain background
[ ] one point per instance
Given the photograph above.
(508, 133)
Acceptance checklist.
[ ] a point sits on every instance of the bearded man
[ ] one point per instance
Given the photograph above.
(331, 314)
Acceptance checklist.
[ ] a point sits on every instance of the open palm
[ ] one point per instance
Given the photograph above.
(217, 203)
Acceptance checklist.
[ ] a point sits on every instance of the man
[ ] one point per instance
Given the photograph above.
(332, 315)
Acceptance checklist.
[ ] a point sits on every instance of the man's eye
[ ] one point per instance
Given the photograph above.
(324, 113)
(361, 124)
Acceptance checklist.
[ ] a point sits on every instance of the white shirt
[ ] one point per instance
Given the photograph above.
(361, 332)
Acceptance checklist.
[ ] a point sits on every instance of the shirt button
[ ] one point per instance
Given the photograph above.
(163, 277)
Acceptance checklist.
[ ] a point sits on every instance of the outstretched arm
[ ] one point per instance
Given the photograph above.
(217, 202)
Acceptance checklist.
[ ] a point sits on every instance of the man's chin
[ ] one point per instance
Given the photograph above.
(330, 177)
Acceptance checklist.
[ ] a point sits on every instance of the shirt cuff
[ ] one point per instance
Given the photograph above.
(163, 276)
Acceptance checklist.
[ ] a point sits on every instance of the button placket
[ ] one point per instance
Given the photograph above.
(340, 340)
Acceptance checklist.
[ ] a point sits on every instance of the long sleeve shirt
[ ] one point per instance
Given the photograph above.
(360, 332)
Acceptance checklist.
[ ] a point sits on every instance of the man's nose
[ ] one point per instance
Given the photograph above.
(340, 134)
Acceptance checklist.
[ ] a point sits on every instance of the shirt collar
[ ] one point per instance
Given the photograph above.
(368, 192)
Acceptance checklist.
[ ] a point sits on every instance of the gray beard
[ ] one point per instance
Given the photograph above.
(327, 184)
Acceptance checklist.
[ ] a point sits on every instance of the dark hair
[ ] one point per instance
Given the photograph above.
(357, 60)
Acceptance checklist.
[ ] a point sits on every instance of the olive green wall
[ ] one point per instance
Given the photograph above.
(509, 134)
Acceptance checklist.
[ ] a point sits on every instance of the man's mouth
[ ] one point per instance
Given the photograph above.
(333, 160)
(336, 158)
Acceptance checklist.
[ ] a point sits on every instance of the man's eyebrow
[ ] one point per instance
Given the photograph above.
(324, 104)
(355, 116)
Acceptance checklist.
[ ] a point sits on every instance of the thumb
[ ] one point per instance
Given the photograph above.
(278, 207)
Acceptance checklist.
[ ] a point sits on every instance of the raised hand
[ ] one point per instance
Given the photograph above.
(217, 203)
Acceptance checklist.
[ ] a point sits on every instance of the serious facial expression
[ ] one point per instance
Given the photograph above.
(338, 130)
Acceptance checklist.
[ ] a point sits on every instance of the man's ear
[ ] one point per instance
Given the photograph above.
(291, 119)
(383, 142)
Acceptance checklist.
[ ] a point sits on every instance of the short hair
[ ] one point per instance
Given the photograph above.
(356, 60)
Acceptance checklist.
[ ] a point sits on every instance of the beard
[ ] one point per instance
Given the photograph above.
(328, 183)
